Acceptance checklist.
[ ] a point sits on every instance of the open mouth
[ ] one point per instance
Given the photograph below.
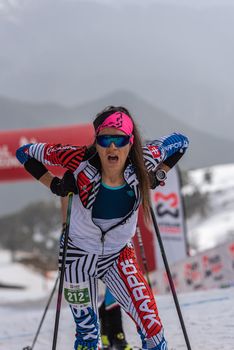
(112, 158)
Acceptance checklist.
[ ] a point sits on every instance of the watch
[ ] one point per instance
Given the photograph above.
(161, 175)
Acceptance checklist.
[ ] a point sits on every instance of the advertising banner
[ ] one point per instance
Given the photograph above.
(168, 208)
(12, 170)
(213, 268)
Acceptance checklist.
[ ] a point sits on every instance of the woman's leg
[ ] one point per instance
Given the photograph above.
(126, 282)
(114, 326)
(80, 291)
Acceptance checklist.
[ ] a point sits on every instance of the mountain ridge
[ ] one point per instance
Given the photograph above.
(205, 149)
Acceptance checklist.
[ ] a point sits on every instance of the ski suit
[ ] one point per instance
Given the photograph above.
(104, 251)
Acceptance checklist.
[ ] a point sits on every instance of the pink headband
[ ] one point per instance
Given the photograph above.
(120, 121)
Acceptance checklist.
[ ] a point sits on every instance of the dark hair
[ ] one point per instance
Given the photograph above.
(136, 155)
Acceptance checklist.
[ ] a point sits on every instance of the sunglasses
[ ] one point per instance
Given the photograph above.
(118, 140)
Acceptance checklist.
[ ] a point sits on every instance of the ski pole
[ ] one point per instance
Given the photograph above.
(43, 317)
(170, 278)
(62, 271)
(143, 256)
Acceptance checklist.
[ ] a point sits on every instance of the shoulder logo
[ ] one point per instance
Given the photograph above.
(156, 153)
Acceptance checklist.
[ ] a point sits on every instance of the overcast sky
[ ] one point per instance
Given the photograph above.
(177, 54)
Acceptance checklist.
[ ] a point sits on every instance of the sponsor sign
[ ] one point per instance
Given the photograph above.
(193, 274)
(210, 269)
(12, 170)
(168, 208)
(213, 266)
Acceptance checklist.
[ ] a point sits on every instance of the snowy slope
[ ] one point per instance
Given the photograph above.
(208, 317)
(34, 286)
(218, 224)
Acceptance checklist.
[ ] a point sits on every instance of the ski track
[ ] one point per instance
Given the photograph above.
(208, 316)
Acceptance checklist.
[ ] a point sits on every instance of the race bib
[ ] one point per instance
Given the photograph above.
(77, 294)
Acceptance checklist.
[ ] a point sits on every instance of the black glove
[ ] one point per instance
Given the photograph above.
(63, 186)
(153, 181)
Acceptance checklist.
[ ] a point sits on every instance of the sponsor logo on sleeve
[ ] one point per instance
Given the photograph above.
(59, 148)
(155, 151)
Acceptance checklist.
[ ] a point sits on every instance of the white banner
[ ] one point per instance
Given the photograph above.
(213, 268)
(168, 208)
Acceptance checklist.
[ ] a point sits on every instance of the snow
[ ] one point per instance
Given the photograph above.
(218, 224)
(222, 178)
(208, 315)
(215, 230)
(34, 286)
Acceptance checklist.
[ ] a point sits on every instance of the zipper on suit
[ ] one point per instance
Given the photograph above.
(103, 240)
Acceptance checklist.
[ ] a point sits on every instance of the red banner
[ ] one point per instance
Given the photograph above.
(12, 170)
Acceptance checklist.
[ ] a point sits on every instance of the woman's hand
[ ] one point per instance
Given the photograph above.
(61, 187)
(158, 177)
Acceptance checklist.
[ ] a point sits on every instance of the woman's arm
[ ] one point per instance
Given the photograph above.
(47, 179)
(165, 152)
(67, 156)
(32, 156)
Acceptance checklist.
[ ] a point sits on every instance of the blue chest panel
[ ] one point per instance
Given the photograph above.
(113, 202)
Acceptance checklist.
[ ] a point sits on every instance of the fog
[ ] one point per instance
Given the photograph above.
(178, 55)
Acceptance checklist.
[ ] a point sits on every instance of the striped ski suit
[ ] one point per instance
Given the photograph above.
(94, 253)
(121, 274)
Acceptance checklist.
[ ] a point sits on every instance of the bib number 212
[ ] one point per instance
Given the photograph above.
(75, 295)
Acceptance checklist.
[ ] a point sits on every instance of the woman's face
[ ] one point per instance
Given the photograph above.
(113, 158)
